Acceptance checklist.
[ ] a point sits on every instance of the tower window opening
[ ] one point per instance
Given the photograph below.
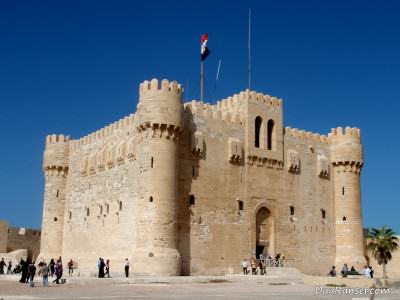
(55, 219)
(151, 199)
(120, 205)
(87, 212)
(193, 171)
(70, 215)
(323, 214)
(344, 219)
(192, 200)
(152, 162)
(342, 190)
(57, 193)
(240, 204)
(108, 208)
(101, 209)
(258, 123)
(270, 130)
(292, 210)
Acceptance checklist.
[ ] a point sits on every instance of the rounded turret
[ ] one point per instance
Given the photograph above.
(55, 167)
(347, 161)
(159, 123)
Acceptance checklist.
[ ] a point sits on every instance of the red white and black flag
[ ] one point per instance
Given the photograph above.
(204, 52)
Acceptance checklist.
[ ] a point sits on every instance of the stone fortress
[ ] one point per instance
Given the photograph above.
(193, 188)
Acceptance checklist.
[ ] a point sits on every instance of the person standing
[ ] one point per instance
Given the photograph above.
(9, 268)
(24, 270)
(31, 273)
(2, 265)
(253, 266)
(107, 268)
(126, 267)
(70, 267)
(244, 265)
(58, 271)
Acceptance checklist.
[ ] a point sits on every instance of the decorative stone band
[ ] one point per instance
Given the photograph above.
(55, 171)
(157, 130)
(254, 160)
(348, 166)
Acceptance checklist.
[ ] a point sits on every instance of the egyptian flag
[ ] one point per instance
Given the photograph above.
(204, 52)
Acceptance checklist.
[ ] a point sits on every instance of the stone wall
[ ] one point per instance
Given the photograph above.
(3, 236)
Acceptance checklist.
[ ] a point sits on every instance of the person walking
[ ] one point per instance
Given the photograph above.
(44, 271)
(58, 271)
(126, 267)
(70, 267)
(31, 273)
(51, 267)
(101, 268)
(9, 268)
(2, 265)
(24, 270)
(107, 268)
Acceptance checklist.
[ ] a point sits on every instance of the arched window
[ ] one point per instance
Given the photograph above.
(258, 123)
(270, 131)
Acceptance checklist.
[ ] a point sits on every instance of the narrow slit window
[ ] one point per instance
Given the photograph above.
(108, 208)
(57, 193)
(323, 214)
(151, 199)
(192, 200)
(292, 210)
(152, 162)
(240, 204)
(342, 190)
(87, 212)
(70, 215)
(193, 170)
(120, 205)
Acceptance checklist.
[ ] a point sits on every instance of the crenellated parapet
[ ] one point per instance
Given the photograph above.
(123, 124)
(156, 130)
(307, 137)
(56, 155)
(346, 149)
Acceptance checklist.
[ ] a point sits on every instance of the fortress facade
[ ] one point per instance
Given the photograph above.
(193, 188)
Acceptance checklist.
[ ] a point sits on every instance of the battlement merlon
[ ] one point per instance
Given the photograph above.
(160, 104)
(346, 147)
(56, 154)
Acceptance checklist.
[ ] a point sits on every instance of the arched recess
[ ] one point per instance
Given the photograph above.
(270, 135)
(258, 132)
(263, 231)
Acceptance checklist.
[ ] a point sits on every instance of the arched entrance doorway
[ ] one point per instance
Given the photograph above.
(264, 232)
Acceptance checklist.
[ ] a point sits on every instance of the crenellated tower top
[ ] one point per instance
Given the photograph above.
(56, 155)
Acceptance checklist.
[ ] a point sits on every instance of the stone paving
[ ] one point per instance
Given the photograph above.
(164, 288)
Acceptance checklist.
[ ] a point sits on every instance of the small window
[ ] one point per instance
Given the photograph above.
(87, 212)
(342, 190)
(108, 208)
(152, 162)
(70, 215)
(292, 210)
(57, 193)
(101, 209)
(344, 218)
(120, 205)
(192, 200)
(240, 204)
(55, 219)
(151, 199)
(323, 214)
(193, 169)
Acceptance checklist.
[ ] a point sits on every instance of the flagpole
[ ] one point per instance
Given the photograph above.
(249, 52)
(201, 80)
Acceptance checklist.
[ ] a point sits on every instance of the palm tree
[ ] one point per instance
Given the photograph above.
(382, 242)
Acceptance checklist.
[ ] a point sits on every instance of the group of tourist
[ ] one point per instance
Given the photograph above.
(367, 271)
(3, 265)
(258, 266)
(101, 265)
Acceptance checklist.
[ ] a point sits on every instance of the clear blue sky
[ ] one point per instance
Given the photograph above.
(74, 66)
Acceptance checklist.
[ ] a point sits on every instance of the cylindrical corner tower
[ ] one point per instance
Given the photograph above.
(347, 161)
(159, 123)
(55, 167)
